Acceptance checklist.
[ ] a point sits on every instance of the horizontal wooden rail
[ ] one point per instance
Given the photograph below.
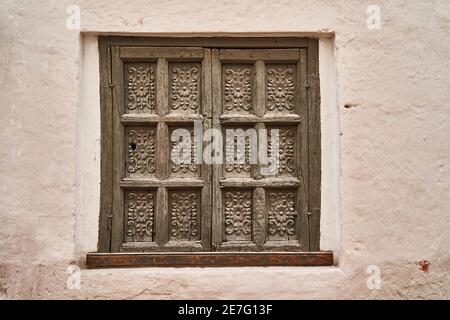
(209, 259)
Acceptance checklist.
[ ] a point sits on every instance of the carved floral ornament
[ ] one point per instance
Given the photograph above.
(141, 88)
(280, 89)
(240, 151)
(285, 148)
(281, 209)
(185, 162)
(185, 88)
(238, 89)
(238, 213)
(184, 215)
(140, 214)
(141, 151)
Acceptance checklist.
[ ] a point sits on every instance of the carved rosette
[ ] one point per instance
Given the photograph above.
(141, 89)
(281, 211)
(184, 215)
(185, 86)
(141, 151)
(236, 148)
(238, 208)
(189, 166)
(238, 89)
(280, 89)
(140, 216)
(286, 160)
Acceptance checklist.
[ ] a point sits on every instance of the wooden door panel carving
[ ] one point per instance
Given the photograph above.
(140, 215)
(238, 88)
(183, 152)
(185, 88)
(238, 142)
(281, 207)
(281, 80)
(286, 150)
(140, 151)
(237, 215)
(140, 89)
(185, 215)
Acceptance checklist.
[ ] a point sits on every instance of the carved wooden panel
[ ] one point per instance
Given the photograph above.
(287, 148)
(280, 88)
(238, 82)
(182, 153)
(185, 214)
(140, 90)
(140, 151)
(238, 150)
(185, 88)
(140, 215)
(237, 215)
(281, 214)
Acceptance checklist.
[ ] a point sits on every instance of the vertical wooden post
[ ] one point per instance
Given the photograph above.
(303, 154)
(217, 214)
(106, 195)
(118, 150)
(314, 144)
(259, 216)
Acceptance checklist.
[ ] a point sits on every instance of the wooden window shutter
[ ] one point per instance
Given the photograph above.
(159, 205)
(197, 213)
(261, 89)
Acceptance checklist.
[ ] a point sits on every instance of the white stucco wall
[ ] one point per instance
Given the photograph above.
(386, 158)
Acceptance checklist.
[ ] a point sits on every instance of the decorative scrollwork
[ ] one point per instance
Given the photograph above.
(238, 207)
(140, 214)
(238, 89)
(184, 215)
(141, 88)
(280, 89)
(238, 149)
(185, 88)
(286, 160)
(281, 209)
(189, 165)
(141, 151)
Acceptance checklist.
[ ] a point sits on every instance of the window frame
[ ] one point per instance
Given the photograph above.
(310, 218)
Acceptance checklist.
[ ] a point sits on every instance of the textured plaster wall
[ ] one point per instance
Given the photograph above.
(388, 177)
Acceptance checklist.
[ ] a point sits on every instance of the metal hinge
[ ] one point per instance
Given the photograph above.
(313, 211)
(206, 118)
(109, 221)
